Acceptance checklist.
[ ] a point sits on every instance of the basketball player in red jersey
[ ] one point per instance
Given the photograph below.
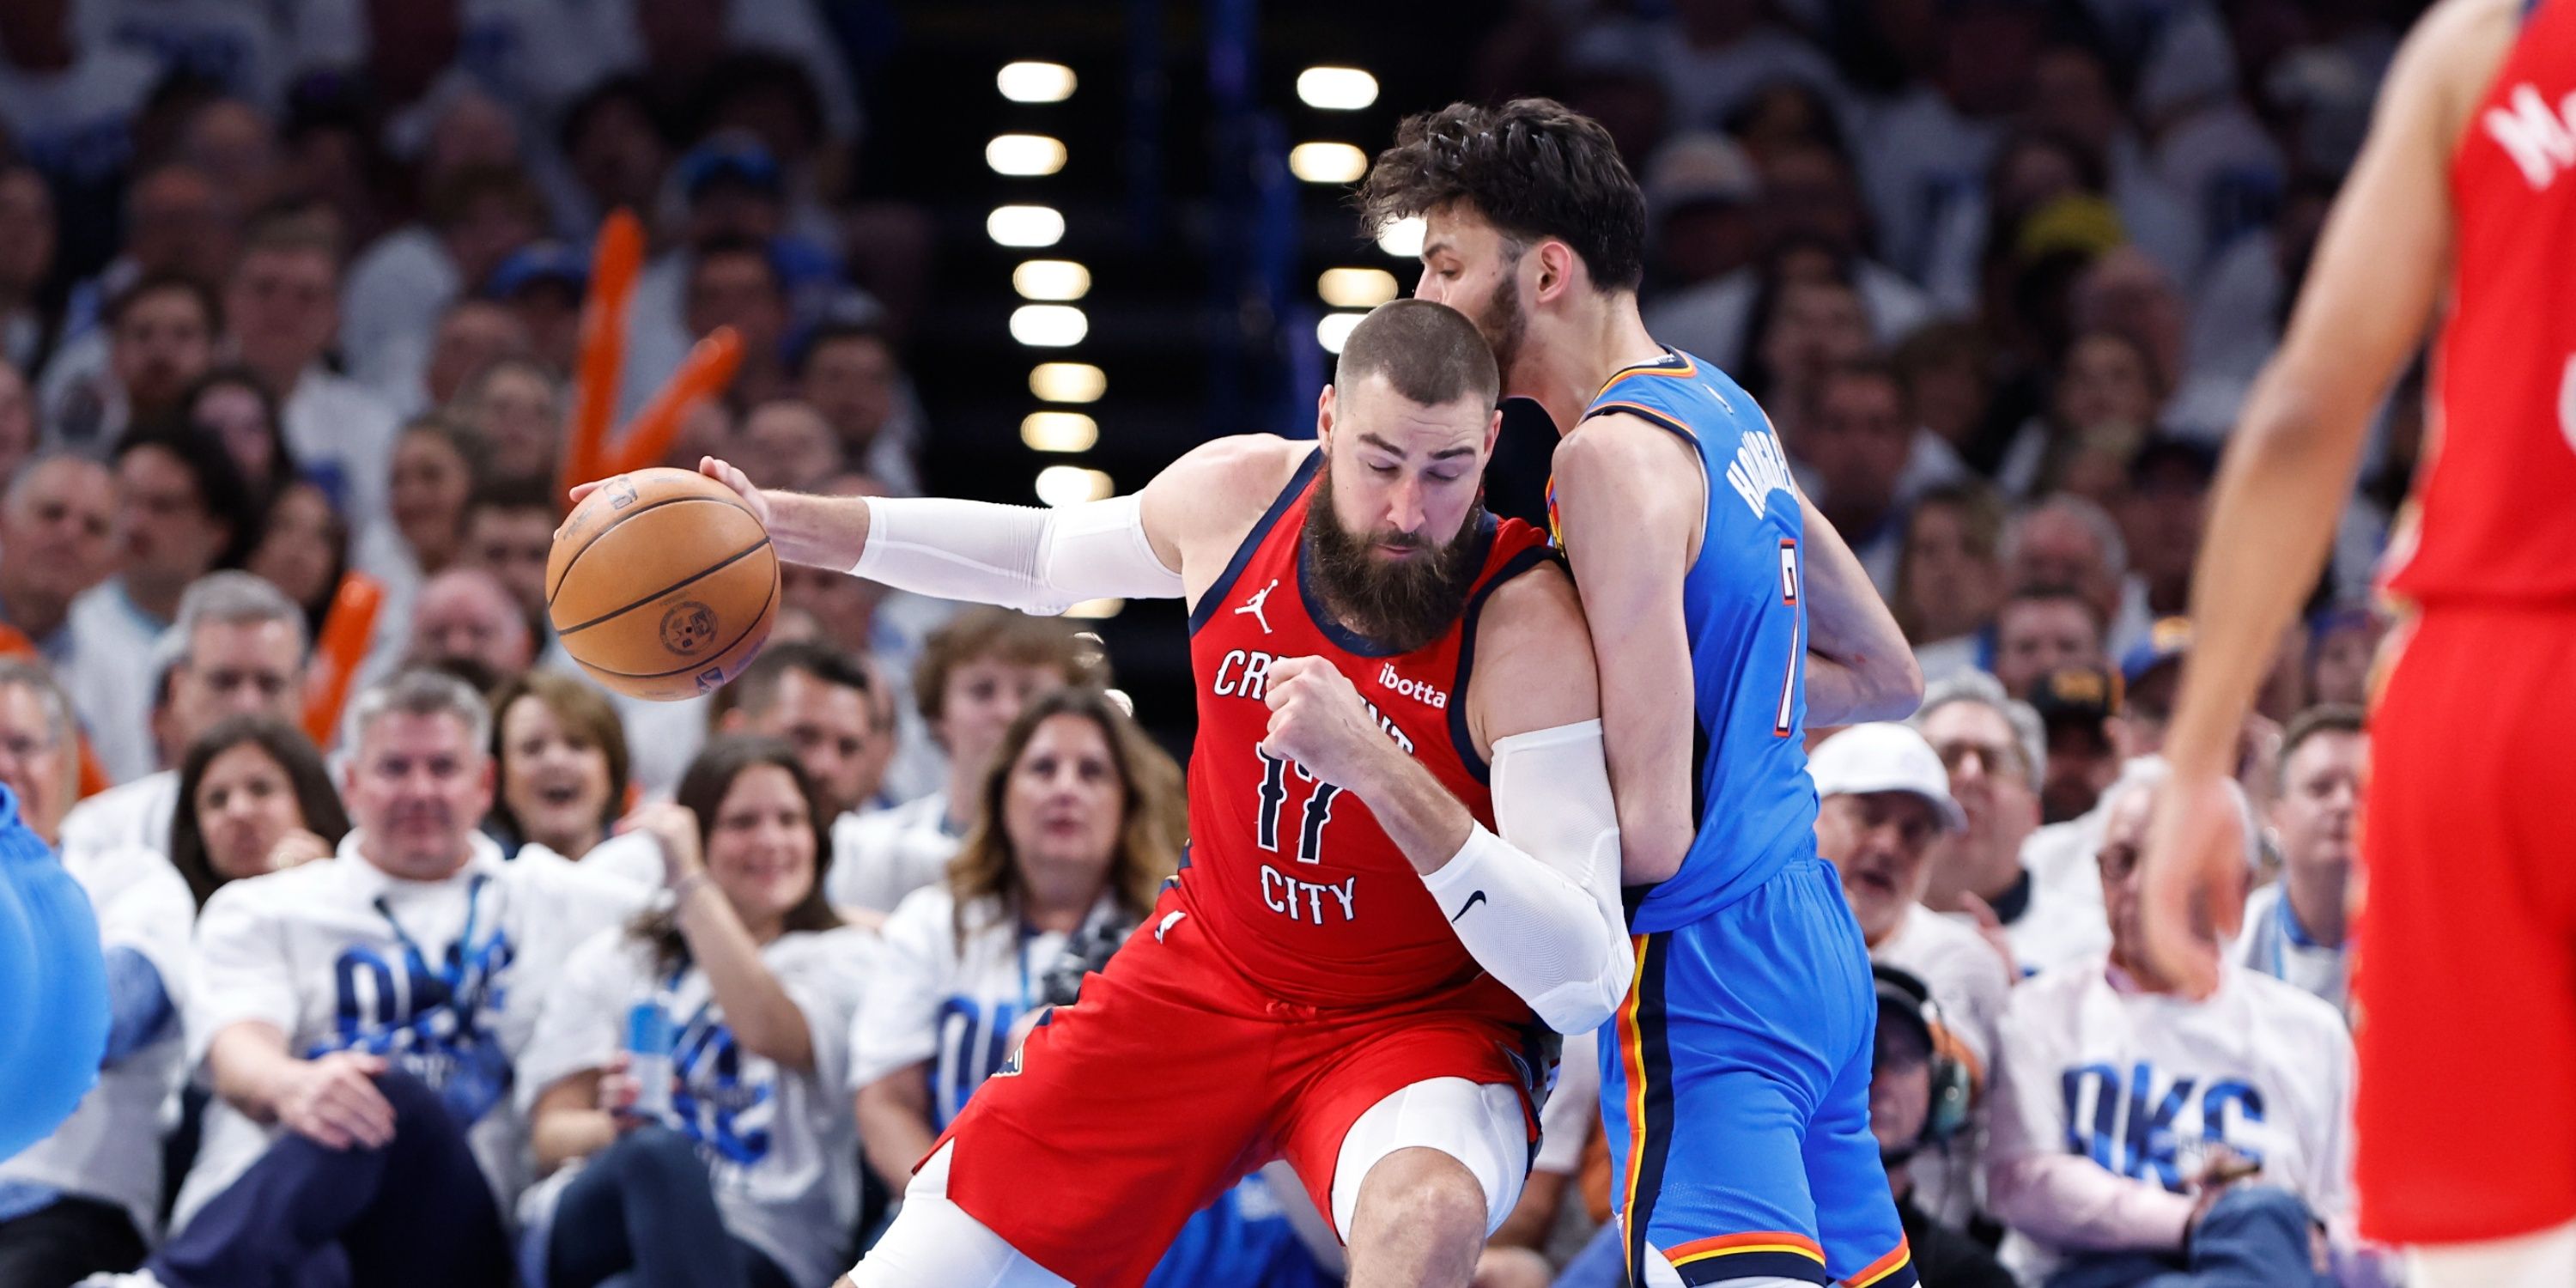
(1402, 842)
(2465, 969)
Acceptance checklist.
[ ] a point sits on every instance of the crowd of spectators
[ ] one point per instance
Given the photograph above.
(290, 301)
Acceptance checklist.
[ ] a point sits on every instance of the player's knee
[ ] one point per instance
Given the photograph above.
(1424, 1193)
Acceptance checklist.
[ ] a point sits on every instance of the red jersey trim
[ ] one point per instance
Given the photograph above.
(1224, 583)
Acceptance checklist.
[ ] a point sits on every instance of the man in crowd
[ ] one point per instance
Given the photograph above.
(1992, 747)
(282, 303)
(2040, 628)
(161, 336)
(2295, 928)
(817, 699)
(973, 678)
(2139, 1136)
(1913, 1076)
(358, 1019)
(240, 650)
(849, 372)
(464, 618)
(85, 1198)
(57, 540)
(2065, 540)
(509, 528)
(1857, 443)
(1884, 801)
(2078, 707)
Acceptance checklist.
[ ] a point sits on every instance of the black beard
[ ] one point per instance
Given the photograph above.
(1400, 604)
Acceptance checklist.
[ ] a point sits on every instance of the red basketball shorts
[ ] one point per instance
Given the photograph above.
(2464, 973)
(1174, 1076)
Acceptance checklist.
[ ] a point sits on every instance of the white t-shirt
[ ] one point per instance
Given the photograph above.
(110, 677)
(300, 948)
(2142, 1083)
(2064, 919)
(396, 289)
(879, 858)
(2274, 945)
(133, 814)
(110, 1148)
(231, 42)
(781, 1146)
(336, 426)
(77, 124)
(633, 858)
(933, 999)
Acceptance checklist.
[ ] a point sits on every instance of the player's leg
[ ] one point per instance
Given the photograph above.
(1855, 1216)
(934, 1243)
(1423, 1176)
(2464, 974)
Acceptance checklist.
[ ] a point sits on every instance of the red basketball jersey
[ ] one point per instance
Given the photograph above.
(1295, 880)
(2494, 514)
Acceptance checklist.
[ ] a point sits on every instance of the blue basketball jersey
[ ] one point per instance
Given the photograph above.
(1743, 608)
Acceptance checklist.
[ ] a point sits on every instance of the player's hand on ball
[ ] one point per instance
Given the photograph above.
(333, 1101)
(1318, 721)
(2191, 884)
(723, 471)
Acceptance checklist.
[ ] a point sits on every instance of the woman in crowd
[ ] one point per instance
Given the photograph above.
(738, 1167)
(303, 550)
(516, 404)
(1950, 577)
(258, 799)
(230, 405)
(561, 755)
(433, 474)
(1078, 821)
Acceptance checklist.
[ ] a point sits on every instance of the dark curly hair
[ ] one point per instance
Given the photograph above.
(1535, 168)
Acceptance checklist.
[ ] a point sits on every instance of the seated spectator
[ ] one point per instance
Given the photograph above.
(473, 216)
(31, 314)
(561, 756)
(430, 370)
(1702, 194)
(358, 1119)
(259, 801)
(240, 650)
(1949, 578)
(465, 617)
(535, 299)
(182, 511)
(789, 445)
(509, 532)
(735, 282)
(2295, 928)
(1884, 799)
(816, 699)
(515, 404)
(2143, 1138)
(282, 306)
(1992, 747)
(754, 979)
(2079, 707)
(974, 677)
(2045, 628)
(2343, 647)
(1856, 445)
(1076, 820)
(2161, 514)
(161, 334)
(1917, 1101)
(87, 1197)
(2101, 412)
(303, 550)
(20, 434)
(2071, 542)
(848, 371)
(57, 540)
(230, 405)
(433, 477)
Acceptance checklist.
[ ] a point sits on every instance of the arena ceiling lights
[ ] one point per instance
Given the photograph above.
(1072, 485)
(1068, 382)
(1025, 156)
(1032, 82)
(1025, 226)
(1336, 89)
(1059, 431)
(1327, 162)
(1402, 238)
(1333, 330)
(1356, 288)
(1049, 326)
(1053, 280)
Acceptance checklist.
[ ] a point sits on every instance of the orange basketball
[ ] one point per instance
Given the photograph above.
(662, 584)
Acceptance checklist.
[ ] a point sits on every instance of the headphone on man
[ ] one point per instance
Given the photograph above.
(1904, 996)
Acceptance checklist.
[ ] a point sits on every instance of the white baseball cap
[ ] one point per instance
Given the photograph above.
(1884, 758)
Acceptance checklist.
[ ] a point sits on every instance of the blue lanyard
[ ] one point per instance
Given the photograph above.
(452, 969)
(2286, 931)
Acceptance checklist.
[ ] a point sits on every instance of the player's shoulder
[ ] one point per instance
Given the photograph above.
(1236, 472)
(2450, 58)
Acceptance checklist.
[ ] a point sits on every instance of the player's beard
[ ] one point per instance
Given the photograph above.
(1398, 603)
(1503, 326)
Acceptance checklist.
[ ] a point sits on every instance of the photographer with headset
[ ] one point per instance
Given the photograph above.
(1918, 1100)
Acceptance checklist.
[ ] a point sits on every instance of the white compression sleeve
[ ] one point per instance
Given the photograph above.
(1549, 924)
(1035, 560)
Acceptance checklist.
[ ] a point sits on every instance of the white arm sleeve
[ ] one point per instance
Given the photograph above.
(1035, 560)
(1549, 924)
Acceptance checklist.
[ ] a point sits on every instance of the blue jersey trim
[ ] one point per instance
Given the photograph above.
(1352, 641)
(1459, 736)
(1224, 583)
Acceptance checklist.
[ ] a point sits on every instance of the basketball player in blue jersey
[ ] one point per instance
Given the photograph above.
(1727, 616)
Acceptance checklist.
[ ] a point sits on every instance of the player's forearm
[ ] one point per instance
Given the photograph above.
(1859, 666)
(1419, 814)
(250, 1068)
(821, 531)
(2271, 519)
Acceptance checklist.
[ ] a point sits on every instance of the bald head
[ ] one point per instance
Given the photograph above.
(467, 613)
(57, 539)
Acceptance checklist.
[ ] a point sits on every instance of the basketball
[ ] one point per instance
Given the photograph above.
(662, 584)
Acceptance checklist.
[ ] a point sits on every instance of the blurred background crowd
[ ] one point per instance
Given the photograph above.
(292, 299)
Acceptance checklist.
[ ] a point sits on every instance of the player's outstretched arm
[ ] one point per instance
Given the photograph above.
(1537, 905)
(1629, 502)
(2289, 468)
(1859, 666)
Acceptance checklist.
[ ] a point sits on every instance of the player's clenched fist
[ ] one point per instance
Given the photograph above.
(333, 1101)
(1318, 721)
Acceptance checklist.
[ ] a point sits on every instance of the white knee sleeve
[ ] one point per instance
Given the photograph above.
(933, 1243)
(1479, 1124)
(2543, 1260)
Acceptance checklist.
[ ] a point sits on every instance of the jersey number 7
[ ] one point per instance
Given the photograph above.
(1785, 723)
(1318, 809)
